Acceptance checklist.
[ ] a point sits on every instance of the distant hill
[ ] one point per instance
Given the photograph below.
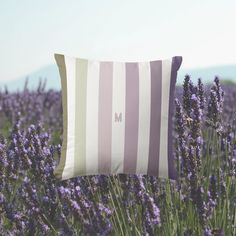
(225, 72)
(50, 72)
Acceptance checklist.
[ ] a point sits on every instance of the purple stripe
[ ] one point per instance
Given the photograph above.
(155, 119)
(131, 117)
(176, 63)
(105, 117)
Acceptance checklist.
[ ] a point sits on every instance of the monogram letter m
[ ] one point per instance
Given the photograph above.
(118, 118)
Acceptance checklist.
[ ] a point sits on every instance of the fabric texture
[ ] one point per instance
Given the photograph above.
(117, 117)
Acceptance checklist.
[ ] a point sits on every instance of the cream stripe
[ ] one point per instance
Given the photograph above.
(163, 155)
(144, 117)
(80, 116)
(92, 118)
(70, 71)
(118, 112)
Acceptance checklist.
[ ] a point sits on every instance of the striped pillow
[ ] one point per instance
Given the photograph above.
(117, 117)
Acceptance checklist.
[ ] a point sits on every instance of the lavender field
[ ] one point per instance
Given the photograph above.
(201, 202)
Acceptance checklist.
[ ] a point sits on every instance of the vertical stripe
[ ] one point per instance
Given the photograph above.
(105, 117)
(80, 116)
(144, 117)
(69, 165)
(118, 117)
(60, 60)
(132, 117)
(92, 118)
(163, 154)
(156, 93)
(176, 63)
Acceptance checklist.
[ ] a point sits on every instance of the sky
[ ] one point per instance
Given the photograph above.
(203, 32)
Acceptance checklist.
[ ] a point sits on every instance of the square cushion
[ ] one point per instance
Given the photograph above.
(117, 117)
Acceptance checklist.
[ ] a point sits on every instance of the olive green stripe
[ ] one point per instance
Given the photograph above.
(60, 59)
(80, 116)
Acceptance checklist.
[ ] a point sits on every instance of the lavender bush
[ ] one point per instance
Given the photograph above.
(201, 202)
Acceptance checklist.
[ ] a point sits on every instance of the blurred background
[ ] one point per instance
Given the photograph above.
(203, 32)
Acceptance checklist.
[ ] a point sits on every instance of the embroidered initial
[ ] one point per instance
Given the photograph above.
(118, 118)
